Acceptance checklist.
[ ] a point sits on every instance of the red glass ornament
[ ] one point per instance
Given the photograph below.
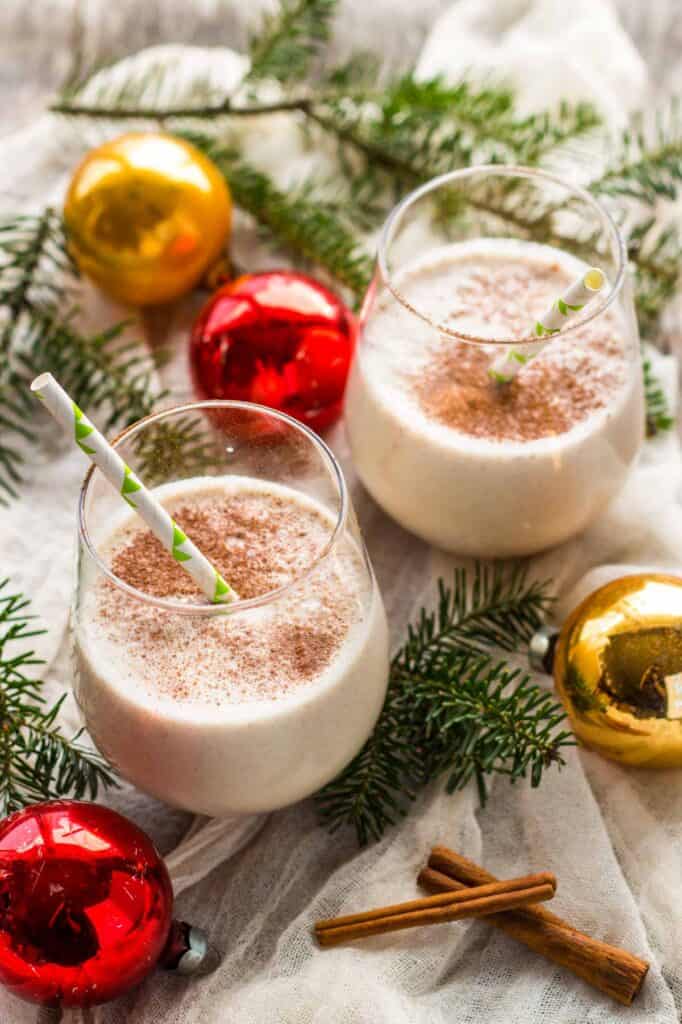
(85, 904)
(280, 339)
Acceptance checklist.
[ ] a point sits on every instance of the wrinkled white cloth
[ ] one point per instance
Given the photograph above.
(538, 48)
(612, 836)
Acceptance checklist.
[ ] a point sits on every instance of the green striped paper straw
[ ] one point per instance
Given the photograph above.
(506, 366)
(131, 489)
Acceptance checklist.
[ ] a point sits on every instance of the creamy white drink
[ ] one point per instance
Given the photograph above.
(469, 465)
(247, 709)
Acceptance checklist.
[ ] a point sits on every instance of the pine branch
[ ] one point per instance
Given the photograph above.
(451, 709)
(153, 95)
(656, 254)
(289, 40)
(548, 133)
(283, 49)
(648, 170)
(649, 165)
(300, 225)
(415, 129)
(15, 427)
(37, 762)
(38, 331)
(498, 608)
(118, 105)
(658, 418)
(422, 129)
(32, 256)
(475, 717)
(105, 93)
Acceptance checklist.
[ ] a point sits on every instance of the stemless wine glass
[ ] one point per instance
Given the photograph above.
(296, 675)
(467, 464)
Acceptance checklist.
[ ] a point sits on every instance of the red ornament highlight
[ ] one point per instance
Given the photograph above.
(280, 339)
(85, 904)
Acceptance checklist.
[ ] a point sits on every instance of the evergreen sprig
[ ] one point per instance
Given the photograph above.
(656, 254)
(415, 129)
(648, 166)
(283, 49)
(288, 40)
(32, 259)
(453, 709)
(658, 418)
(474, 716)
(38, 331)
(37, 762)
(302, 225)
(497, 608)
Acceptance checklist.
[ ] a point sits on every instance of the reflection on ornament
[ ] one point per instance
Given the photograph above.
(85, 906)
(279, 339)
(618, 667)
(146, 215)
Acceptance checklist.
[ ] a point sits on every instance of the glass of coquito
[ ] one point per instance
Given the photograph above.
(466, 266)
(240, 707)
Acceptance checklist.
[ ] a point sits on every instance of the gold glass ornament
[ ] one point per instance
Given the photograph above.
(617, 664)
(146, 214)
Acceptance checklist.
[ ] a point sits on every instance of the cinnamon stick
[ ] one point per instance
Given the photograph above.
(615, 971)
(469, 902)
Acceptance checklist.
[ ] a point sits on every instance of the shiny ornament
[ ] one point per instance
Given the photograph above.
(280, 339)
(85, 905)
(617, 664)
(146, 215)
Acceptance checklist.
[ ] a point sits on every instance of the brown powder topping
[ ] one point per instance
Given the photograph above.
(549, 397)
(259, 541)
(572, 378)
(256, 544)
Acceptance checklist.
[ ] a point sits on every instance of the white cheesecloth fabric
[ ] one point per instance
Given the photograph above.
(613, 837)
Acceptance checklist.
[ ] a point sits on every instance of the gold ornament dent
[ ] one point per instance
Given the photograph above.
(146, 215)
(618, 669)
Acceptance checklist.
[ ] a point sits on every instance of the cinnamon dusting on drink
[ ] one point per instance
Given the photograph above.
(574, 377)
(550, 396)
(258, 547)
(259, 542)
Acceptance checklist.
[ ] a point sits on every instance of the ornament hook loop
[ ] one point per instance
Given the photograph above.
(188, 951)
(541, 649)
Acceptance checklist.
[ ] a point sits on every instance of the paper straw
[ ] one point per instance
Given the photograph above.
(131, 489)
(575, 298)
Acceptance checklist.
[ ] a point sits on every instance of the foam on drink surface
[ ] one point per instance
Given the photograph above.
(260, 537)
(490, 288)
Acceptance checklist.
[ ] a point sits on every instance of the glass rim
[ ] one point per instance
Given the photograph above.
(509, 171)
(206, 607)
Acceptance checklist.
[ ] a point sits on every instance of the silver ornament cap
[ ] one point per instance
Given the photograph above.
(541, 649)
